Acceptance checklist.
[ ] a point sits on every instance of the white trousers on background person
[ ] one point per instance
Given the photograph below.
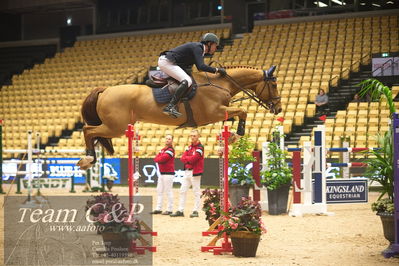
(173, 70)
(164, 186)
(190, 180)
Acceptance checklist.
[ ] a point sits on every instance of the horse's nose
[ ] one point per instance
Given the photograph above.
(279, 110)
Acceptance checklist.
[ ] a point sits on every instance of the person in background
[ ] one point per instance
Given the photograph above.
(193, 159)
(321, 102)
(166, 163)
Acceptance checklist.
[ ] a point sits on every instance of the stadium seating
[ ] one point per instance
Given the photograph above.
(308, 55)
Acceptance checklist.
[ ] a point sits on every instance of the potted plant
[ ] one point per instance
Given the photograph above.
(244, 226)
(114, 222)
(211, 205)
(380, 163)
(240, 177)
(277, 177)
(110, 181)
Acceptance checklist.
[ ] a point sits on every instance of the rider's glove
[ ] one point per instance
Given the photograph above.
(221, 71)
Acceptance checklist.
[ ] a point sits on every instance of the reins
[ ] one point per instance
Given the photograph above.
(251, 95)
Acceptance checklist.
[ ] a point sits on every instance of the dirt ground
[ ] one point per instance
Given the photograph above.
(352, 236)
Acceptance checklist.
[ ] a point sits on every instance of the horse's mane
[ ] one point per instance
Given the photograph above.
(247, 67)
(231, 67)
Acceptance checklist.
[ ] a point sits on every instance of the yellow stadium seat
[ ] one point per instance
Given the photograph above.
(373, 113)
(340, 122)
(339, 130)
(350, 122)
(363, 121)
(351, 114)
(310, 110)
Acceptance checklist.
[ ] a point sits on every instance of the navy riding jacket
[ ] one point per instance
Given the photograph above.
(188, 54)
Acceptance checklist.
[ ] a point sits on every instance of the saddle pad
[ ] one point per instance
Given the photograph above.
(163, 95)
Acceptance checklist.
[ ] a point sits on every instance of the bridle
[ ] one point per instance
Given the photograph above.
(269, 104)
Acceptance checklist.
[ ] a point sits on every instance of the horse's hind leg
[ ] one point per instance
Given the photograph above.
(90, 133)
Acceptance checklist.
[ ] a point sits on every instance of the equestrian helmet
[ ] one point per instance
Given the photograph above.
(210, 37)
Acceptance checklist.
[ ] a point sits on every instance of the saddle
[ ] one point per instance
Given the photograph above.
(163, 88)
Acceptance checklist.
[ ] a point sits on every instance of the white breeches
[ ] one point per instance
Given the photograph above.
(164, 186)
(190, 180)
(173, 70)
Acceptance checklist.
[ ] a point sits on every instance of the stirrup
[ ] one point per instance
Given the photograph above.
(171, 111)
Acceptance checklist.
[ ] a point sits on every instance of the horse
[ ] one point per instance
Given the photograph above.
(107, 111)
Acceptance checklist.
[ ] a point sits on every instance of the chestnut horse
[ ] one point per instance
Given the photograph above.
(107, 112)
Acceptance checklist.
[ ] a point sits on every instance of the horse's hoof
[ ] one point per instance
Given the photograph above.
(233, 137)
(85, 163)
(241, 127)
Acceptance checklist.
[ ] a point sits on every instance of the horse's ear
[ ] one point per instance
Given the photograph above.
(271, 71)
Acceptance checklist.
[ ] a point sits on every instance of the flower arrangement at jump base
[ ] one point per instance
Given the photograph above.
(239, 157)
(245, 226)
(240, 176)
(277, 176)
(211, 205)
(114, 222)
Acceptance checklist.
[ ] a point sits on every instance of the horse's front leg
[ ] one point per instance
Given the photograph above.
(90, 158)
(242, 114)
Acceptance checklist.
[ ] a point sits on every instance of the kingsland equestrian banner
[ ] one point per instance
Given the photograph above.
(347, 190)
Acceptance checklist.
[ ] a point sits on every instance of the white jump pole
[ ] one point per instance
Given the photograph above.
(38, 147)
(264, 203)
(29, 165)
(60, 161)
(314, 197)
(308, 161)
(35, 151)
(345, 159)
(319, 173)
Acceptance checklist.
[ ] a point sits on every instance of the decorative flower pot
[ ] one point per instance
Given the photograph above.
(236, 192)
(245, 244)
(116, 244)
(110, 184)
(277, 199)
(388, 226)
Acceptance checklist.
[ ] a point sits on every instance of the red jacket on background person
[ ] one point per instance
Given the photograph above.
(166, 161)
(193, 158)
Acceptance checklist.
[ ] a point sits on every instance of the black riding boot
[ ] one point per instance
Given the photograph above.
(180, 91)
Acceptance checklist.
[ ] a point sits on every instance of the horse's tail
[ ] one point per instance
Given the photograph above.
(90, 116)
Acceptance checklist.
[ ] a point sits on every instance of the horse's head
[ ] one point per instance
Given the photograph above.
(267, 92)
(259, 85)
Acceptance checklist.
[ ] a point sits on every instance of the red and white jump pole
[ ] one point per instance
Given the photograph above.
(226, 244)
(130, 134)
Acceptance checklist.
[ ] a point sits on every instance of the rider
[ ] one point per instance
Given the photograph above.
(178, 62)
